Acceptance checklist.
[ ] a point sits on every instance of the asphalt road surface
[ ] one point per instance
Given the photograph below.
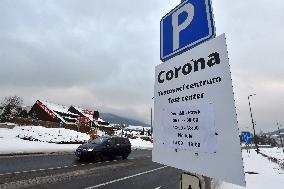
(66, 171)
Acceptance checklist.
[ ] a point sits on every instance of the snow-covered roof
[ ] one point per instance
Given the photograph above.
(274, 135)
(88, 113)
(83, 111)
(132, 127)
(57, 109)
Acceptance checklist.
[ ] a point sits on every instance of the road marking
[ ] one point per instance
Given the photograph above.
(158, 187)
(34, 170)
(124, 178)
(52, 168)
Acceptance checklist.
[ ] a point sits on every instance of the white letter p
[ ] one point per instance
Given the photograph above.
(189, 9)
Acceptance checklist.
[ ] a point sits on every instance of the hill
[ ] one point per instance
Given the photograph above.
(275, 132)
(112, 118)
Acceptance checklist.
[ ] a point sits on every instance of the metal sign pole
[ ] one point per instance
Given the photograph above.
(207, 180)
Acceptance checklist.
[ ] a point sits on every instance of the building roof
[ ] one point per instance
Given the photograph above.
(87, 113)
(66, 114)
(60, 111)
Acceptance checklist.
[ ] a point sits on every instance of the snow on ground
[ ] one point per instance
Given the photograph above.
(141, 144)
(45, 139)
(270, 175)
(51, 135)
(10, 143)
(275, 152)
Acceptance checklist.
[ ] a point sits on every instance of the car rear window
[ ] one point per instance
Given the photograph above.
(122, 140)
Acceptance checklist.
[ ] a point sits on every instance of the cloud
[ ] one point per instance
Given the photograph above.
(103, 53)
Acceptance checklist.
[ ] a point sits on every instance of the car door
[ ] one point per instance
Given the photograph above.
(111, 147)
(119, 146)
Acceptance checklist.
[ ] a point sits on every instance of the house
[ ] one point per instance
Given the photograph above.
(279, 139)
(89, 115)
(46, 111)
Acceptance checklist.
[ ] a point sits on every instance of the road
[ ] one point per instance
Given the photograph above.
(66, 171)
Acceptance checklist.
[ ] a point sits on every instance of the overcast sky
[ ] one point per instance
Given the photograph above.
(102, 54)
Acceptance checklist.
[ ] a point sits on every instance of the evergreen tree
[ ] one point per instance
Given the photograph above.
(6, 114)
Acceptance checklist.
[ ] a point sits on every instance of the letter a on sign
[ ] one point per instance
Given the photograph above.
(185, 27)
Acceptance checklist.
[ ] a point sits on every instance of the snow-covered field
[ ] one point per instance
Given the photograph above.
(275, 152)
(10, 143)
(32, 139)
(138, 143)
(268, 174)
(51, 135)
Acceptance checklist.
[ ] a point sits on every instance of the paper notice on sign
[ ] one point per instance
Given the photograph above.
(190, 127)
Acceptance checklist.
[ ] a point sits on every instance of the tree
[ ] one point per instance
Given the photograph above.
(6, 114)
(23, 114)
(11, 105)
(13, 101)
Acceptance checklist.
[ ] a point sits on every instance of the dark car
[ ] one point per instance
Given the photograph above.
(110, 146)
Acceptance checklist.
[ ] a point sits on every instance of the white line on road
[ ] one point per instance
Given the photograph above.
(124, 178)
(51, 168)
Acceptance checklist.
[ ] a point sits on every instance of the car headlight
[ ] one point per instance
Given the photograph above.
(90, 149)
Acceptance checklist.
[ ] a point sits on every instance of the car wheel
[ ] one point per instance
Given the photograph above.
(98, 156)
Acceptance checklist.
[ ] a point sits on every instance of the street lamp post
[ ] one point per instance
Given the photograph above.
(255, 142)
(280, 137)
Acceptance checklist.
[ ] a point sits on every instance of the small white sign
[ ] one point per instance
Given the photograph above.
(202, 137)
(190, 127)
(191, 182)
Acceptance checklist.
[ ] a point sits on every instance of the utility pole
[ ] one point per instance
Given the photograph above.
(280, 137)
(253, 124)
(151, 123)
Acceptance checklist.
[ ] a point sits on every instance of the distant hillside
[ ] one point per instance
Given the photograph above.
(111, 118)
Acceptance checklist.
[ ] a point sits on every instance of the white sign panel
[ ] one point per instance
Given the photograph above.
(195, 124)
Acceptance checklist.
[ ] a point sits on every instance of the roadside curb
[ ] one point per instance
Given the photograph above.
(34, 154)
(50, 153)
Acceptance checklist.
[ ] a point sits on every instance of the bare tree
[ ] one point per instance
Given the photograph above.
(12, 101)
(11, 107)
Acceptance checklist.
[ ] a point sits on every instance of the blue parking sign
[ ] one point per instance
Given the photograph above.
(185, 27)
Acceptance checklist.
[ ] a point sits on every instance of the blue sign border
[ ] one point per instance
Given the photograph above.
(211, 26)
